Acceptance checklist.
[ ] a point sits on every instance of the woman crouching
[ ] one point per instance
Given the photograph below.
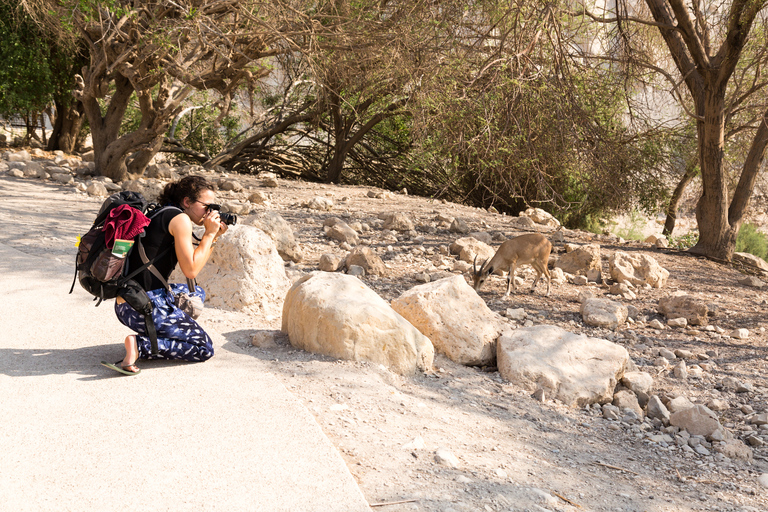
(184, 204)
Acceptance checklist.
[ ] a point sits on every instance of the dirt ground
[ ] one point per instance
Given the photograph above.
(513, 453)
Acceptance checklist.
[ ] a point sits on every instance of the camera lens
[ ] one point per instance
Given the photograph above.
(228, 218)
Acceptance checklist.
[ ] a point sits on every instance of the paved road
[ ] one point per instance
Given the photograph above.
(220, 435)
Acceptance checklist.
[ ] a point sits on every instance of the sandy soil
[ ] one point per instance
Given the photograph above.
(514, 453)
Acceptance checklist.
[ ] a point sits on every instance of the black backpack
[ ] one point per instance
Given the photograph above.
(105, 275)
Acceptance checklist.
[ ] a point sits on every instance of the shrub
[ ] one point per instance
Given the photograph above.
(752, 241)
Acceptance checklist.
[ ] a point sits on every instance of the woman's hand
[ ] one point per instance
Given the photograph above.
(212, 222)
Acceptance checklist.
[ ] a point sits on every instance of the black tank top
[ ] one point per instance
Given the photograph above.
(156, 240)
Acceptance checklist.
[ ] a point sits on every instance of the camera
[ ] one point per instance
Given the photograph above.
(227, 218)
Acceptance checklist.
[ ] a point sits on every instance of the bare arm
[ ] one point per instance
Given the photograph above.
(192, 259)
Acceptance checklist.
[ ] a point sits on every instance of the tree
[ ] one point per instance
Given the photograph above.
(719, 50)
(37, 71)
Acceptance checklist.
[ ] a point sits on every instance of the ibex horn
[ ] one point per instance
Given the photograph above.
(474, 265)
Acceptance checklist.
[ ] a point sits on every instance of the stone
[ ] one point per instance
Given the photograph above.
(656, 409)
(459, 226)
(233, 185)
(258, 197)
(638, 269)
(611, 412)
(484, 237)
(18, 156)
(763, 480)
(680, 370)
(683, 305)
(740, 334)
(456, 320)
(16, 173)
(678, 404)
(517, 314)
(603, 313)
(750, 259)
(445, 457)
(697, 420)
(149, 188)
(468, 248)
(337, 229)
(718, 405)
(237, 208)
(540, 216)
(580, 260)
(97, 189)
(677, 322)
(735, 449)
(356, 271)
(244, 273)
(524, 223)
(594, 275)
(161, 170)
(339, 316)
(626, 399)
(638, 382)
(573, 368)
(281, 232)
(330, 262)
(752, 282)
(264, 339)
(365, 257)
(580, 280)
(318, 203)
(397, 222)
(759, 419)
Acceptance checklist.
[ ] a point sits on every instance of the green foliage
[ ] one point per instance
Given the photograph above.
(634, 231)
(752, 241)
(198, 130)
(35, 68)
(685, 241)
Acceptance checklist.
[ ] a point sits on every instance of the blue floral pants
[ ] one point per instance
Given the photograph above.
(178, 335)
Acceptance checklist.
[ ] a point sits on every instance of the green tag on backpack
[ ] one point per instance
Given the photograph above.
(121, 247)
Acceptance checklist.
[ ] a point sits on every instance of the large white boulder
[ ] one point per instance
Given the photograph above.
(280, 231)
(457, 321)
(580, 260)
(245, 272)
(604, 313)
(638, 269)
(339, 316)
(573, 368)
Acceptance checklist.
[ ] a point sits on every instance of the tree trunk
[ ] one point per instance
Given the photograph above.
(674, 202)
(109, 153)
(69, 121)
(717, 233)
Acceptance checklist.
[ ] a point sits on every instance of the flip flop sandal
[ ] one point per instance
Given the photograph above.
(122, 369)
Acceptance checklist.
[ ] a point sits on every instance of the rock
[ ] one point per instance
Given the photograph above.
(752, 282)
(759, 419)
(627, 400)
(740, 334)
(677, 322)
(459, 226)
(233, 185)
(268, 179)
(35, 170)
(244, 273)
(16, 173)
(281, 232)
(467, 248)
(763, 480)
(162, 171)
(236, 207)
(557, 276)
(88, 156)
(484, 237)
(735, 449)
(524, 223)
(718, 405)
(680, 370)
(518, 314)
(258, 197)
(580, 260)
(667, 354)
(456, 320)
(680, 304)
(318, 203)
(330, 262)
(750, 259)
(697, 420)
(18, 156)
(444, 457)
(337, 315)
(364, 256)
(656, 324)
(340, 231)
(356, 271)
(594, 275)
(97, 189)
(638, 382)
(397, 222)
(656, 409)
(539, 216)
(580, 280)
(417, 443)
(264, 339)
(638, 269)
(149, 188)
(678, 404)
(573, 368)
(603, 313)
(611, 412)
(557, 237)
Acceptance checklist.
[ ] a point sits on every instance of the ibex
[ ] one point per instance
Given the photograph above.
(531, 249)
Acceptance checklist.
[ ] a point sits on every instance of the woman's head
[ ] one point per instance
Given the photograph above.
(188, 188)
